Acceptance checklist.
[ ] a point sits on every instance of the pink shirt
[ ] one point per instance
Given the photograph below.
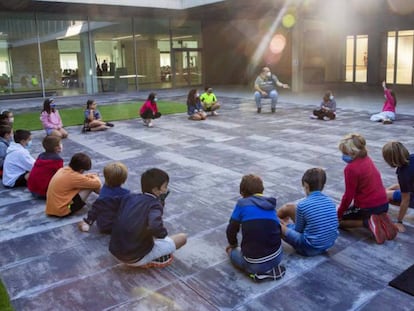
(363, 186)
(149, 106)
(389, 104)
(52, 120)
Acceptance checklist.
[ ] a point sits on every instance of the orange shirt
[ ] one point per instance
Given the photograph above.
(64, 185)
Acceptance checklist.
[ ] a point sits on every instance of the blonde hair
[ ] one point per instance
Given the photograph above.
(115, 174)
(395, 154)
(353, 145)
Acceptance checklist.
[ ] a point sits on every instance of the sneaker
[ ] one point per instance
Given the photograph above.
(272, 275)
(259, 110)
(86, 129)
(150, 124)
(387, 121)
(390, 229)
(312, 116)
(109, 124)
(376, 228)
(161, 262)
(273, 110)
(326, 118)
(214, 113)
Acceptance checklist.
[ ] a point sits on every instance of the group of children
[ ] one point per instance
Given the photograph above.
(327, 108)
(311, 225)
(134, 220)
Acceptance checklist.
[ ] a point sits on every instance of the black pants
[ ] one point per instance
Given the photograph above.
(148, 114)
(320, 113)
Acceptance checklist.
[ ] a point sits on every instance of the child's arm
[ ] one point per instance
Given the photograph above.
(155, 223)
(232, 229)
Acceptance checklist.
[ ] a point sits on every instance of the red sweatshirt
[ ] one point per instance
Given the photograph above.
(46, 165)
(363, 185)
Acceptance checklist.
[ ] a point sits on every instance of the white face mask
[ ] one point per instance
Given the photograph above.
(331, 97)
(269, 74)
(61, 147)
(197, 95)
(11, 120)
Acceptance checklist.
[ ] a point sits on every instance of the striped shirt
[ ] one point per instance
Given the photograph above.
(316, 218)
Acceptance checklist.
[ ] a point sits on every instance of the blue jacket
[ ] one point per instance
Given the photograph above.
(193, 108)
(260, 226)
(139, 221)
(105, 208)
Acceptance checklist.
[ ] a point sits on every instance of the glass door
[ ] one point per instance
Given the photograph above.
(187, 67)
(400, 48)
(356, 61)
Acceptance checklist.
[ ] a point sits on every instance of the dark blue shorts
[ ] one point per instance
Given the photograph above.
(396, 197)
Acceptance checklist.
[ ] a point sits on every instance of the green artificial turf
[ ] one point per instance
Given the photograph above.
(4, 299)
(74, 116)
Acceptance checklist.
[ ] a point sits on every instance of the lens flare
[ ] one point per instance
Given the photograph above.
(277, 44)
(288, 20)
(402, 7)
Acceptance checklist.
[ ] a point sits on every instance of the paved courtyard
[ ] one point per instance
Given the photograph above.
(47, 264)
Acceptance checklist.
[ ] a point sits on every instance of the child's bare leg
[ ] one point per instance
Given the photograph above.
(287, 211)
(179, 239)
(84, 194)
(351, 223)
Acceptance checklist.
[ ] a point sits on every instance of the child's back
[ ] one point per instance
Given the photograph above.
(317, 219)
(46, 165)
(105, 209)
(135, 226)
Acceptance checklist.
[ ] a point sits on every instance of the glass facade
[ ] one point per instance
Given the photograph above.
(46, 53)
(356, 59)
(400, 49)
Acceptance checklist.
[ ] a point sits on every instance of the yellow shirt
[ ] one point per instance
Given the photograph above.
(208, 99)
(64, 185)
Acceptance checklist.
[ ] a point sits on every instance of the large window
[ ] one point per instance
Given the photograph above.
(46, 54)
(19, 55)
(400, 57)
(356, 60)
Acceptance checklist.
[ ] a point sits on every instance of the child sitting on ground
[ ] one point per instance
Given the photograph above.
(194, 109)
(315, 226)
(149, 110)
(364, 203)
(139, 238)
(69, 187)
(327, 109)
(209, 101)
(387, 114)
(261, 246)
(18, 162)
(46, 165)
(402, 194)
(5, 139)
(93, 118)
(105, 208)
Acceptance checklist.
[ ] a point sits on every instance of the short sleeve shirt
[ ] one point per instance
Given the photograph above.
(266, 84)
(406, 176)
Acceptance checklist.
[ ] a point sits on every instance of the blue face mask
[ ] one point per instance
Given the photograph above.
(28, 145)
(347, 158)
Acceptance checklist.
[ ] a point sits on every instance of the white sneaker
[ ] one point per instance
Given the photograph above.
(326, 118)
(312, 116)
(150, 124)
(145, 122)
(214, 113)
